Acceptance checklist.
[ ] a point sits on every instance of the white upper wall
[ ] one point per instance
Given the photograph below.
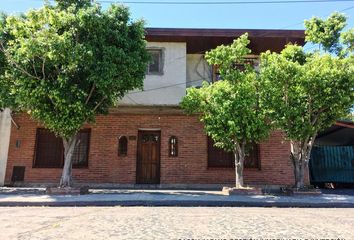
(165, 89)
(198, 70)
(180, 71)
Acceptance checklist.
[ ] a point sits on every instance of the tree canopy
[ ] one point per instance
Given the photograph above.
(329, 35)
(7, 98)
(307, 92)
(231, 109)
(73, 60)
(68, 62)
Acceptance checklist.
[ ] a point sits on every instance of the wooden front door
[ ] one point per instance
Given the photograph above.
(148, 159)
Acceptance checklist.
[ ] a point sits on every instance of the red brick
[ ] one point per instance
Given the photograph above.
(190, 167)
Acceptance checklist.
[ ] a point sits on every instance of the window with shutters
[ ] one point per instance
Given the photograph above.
(218, 157)
(122, 146)
(49, 150)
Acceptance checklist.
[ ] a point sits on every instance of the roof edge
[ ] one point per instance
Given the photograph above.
(224, 32)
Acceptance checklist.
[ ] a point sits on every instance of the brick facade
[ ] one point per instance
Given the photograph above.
(190, 167)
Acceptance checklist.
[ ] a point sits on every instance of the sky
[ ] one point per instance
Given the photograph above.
(247, 16)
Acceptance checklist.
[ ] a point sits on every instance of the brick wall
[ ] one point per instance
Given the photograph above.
(190, 167)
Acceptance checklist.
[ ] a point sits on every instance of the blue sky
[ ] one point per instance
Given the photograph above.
(267, 16)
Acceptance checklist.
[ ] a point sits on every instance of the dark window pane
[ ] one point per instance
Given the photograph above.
(80, 155)
(154, 138)
(216, 74)
(49, 149)
(123, 146)
(252, 156)
(155, 61)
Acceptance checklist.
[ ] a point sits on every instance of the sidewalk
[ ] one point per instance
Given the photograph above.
(122, 197)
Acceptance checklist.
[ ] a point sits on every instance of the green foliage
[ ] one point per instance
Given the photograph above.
(306, 97)
(295, 54)
(7, 98)
(307, 92)
(225, 58)
(77, 4)
(73, 60)
(326, 32)
(347, 39)
(230, 109)
(349, 117)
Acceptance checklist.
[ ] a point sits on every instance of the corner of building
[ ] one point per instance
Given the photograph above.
(5, 131)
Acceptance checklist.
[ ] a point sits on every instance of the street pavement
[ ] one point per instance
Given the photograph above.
(158, 197)
(175, 223)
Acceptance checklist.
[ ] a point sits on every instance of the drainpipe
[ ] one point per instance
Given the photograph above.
(5, 130)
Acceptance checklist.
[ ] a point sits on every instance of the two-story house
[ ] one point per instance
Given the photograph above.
(148, 139)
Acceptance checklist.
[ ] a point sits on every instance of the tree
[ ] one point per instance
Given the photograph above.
(307, 92)
(347, 40)
(329, 35)
(327, 32)
(7, 98)
(71, 61)
(230, 109)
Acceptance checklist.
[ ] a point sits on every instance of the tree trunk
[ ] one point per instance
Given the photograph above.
(239, 153)
(69, 146)
(300, 156)
(299, 170)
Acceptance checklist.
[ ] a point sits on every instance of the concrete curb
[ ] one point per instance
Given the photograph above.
(180, 203)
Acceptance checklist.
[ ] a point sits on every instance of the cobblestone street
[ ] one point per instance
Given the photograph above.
(175, 223)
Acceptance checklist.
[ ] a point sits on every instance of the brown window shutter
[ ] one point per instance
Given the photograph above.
(218, 157)
(252, 159)
(49, 150)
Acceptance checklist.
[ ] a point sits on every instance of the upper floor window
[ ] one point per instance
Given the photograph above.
(156, 61)
(251, 60)
(216, 74)
(217, 157)
(49, 151)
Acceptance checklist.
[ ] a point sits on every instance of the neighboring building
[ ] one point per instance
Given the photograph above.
(5, 129)
(148, 139)
(332, 157)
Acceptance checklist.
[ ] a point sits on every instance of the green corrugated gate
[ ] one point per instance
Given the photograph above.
(332, 164)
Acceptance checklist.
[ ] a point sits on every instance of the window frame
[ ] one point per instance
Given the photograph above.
(86, 163)
(210, 143)
(250, 59)
(161, 52)
(35, 164)
(120, 154)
